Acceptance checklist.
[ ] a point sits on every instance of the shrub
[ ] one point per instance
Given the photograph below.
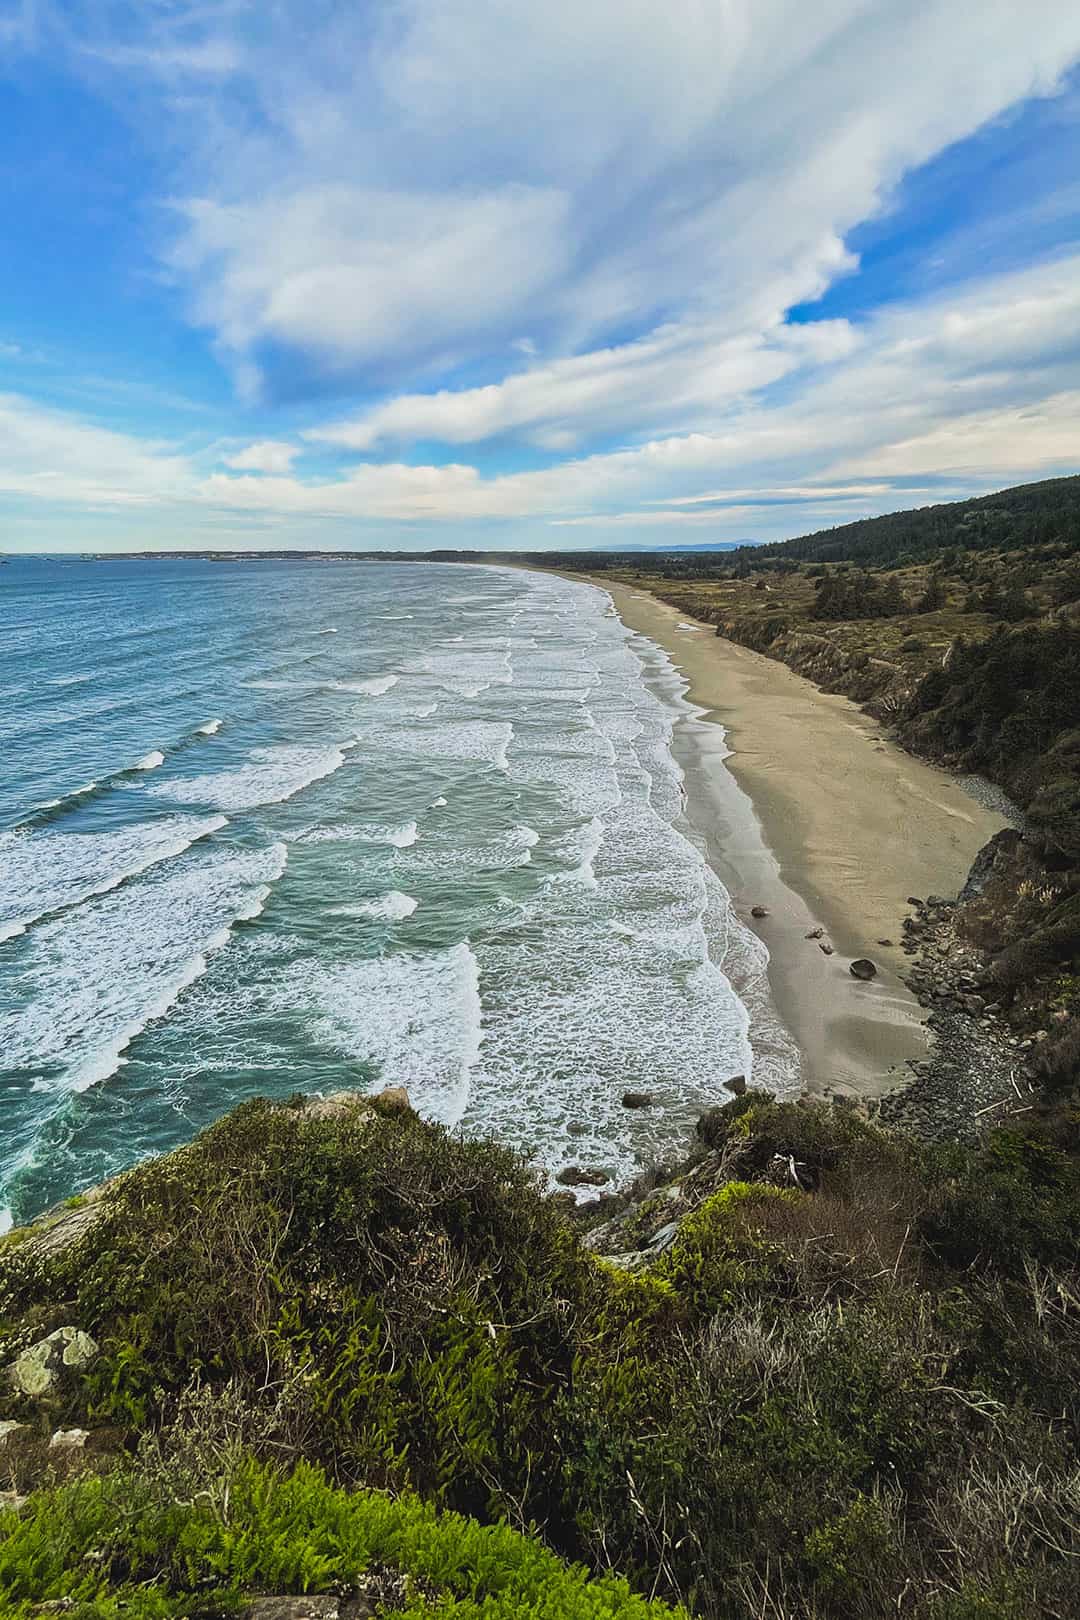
(780, 1411)
(1057, 1061)
(1014, 1200)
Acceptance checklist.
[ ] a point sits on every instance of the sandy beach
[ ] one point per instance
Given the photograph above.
(808, 811)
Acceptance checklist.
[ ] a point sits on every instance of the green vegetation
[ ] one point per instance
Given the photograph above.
(342, 1351)
(847, 1403)
(125, 1545)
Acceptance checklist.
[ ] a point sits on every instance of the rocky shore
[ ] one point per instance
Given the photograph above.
(976, 1072)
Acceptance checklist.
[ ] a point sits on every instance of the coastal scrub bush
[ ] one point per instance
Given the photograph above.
(1014, 1200)
(414, 1294)
(794, 1410)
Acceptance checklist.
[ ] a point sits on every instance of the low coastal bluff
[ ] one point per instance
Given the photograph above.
(329, 1360)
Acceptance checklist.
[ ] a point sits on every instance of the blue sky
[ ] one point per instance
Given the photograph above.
(417, 273)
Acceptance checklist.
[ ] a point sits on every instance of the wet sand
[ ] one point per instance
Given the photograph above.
(807, 810)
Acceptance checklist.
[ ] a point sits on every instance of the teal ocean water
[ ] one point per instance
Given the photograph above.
(272, 826)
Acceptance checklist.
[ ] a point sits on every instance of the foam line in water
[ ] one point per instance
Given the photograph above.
(582, 847)
(92, 989)
(524, 839)
(417, 1019)
(48, 872)
(374, 686)
(52, 809)
(392, 907)
(401, 836)
(472, 741)
(269, 776)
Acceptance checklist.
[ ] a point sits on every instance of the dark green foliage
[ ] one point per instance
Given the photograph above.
(379, 1267)
(1006, 707)
(814, 1404)
(857, 595)
(934, 597)
(1016, 692)
(1015, 1201)
(1045, 514)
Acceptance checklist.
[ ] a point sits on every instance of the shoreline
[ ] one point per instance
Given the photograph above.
(807, 810)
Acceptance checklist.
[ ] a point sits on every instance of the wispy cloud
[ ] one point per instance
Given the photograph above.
(526, 266)
(679, 373)
(979, 384)
(56, 457)
(422, 192)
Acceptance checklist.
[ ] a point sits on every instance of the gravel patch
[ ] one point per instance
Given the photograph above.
(991, 797)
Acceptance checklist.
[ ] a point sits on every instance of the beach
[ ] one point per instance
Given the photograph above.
(809, 812)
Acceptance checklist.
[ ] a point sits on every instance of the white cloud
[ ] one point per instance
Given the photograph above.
(1018, 438)
(976, 387)
(352, 276)
(266, 456)
(955, 386)
(52, 456)
(568, 226)
(418, 184)
(675, 374)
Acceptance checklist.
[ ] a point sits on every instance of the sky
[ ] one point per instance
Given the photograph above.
(537, 274)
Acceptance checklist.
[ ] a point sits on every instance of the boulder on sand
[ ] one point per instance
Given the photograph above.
(863, 968)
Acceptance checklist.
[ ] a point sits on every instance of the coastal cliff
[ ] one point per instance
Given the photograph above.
(816, 1369)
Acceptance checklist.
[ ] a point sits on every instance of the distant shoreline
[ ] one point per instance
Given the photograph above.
(808, 811)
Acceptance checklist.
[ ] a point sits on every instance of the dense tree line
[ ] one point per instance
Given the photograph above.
(1047, 513)
(1043, 514)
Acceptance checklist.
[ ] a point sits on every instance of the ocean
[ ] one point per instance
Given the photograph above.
(272, 826)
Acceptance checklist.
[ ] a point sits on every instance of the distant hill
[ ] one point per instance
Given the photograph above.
(1043, 514)
(1031, 514)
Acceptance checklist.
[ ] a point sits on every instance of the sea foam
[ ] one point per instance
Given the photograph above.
(269, 776)
(46, 871)
(392, 907)
(416, 1019)
(98, 981)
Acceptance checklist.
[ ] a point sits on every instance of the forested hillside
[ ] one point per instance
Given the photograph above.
(1046, 514)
